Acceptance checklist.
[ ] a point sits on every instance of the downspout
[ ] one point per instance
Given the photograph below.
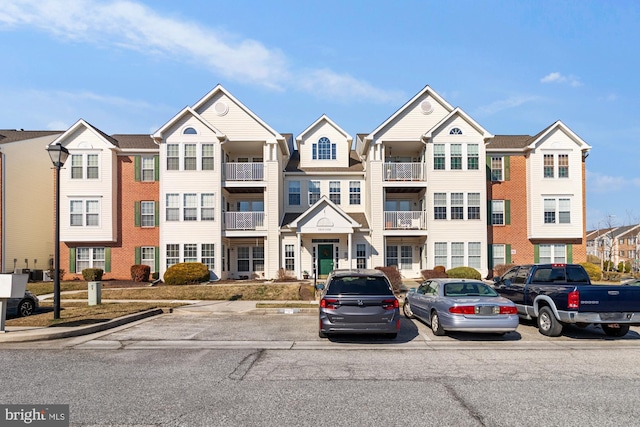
(4, 216)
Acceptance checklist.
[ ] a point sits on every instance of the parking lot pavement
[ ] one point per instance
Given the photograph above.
(300, 331)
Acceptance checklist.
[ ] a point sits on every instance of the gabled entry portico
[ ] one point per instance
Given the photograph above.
(324, 238)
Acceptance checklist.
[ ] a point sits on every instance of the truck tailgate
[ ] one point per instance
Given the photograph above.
(609, 299)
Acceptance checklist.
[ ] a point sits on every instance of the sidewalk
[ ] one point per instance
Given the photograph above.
(25, 334)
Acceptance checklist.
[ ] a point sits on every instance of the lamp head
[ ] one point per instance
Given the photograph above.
(58, 154)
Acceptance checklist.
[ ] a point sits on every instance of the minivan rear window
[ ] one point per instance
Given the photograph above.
(359, 285)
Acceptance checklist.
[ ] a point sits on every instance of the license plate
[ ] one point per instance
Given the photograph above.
(613, 316)
(486, 310)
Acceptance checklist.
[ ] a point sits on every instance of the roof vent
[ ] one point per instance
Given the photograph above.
(426, 107)
(221, 108)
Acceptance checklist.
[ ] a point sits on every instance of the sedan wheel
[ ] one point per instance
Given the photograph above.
(406, 308)
(436, 327)
(25, 308)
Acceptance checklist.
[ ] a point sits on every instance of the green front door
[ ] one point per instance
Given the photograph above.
(325, 259)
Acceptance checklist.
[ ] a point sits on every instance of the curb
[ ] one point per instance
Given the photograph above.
(49, 333)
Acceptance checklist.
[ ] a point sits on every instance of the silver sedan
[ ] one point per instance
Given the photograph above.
(461, 305)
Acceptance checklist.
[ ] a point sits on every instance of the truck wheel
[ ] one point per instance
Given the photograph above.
(436, 326)
(620, 331)
(548, 324)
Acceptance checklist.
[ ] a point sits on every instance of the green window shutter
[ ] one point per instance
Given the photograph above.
(489, 212)
(138, 255)
(488, 168)
(136, 214)
(490, 255)
(507, 212)
(72, 260)
(507, 167)
(536, 253)
(569, 254)
(137, 168)
(107, 260)
(507, 254)
(156, 168)
(157, 213)
(157, 258)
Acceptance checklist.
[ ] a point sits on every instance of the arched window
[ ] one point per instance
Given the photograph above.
(455, 131)
(324, 149)
(189, 131)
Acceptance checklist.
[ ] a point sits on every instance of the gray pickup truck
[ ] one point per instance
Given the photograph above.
(559, 294)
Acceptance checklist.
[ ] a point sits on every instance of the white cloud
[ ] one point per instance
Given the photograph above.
(130, 25)
(505, 104)
(559, 78)
(600, 183)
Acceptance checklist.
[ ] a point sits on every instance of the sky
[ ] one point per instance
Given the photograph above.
(515, 67)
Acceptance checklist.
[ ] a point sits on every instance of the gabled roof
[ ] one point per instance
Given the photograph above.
(559, 125)
(331, 122)
(358, 217)
(458, 112)
(355, 164)
(324, 200)
(509, 142)
(135, 141)
(81, 123)
(220, 89)
(158, 135)
(13, 135)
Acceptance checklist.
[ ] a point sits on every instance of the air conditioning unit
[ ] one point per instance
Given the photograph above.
(46, 277)
(21, 271)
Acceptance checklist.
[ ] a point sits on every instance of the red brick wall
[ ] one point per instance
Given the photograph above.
(128, 235)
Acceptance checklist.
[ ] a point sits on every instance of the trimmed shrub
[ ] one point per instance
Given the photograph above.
(464, 273)
(611, 276)
(608, 266)
(284, 275)
(52, 273)
(594, 272)
(186, 273)
(92, 274)
(593, 260)
(393, 274)
(140, 273)
(433, 274)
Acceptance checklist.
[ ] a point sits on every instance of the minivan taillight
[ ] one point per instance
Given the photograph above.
(329, 303)
(574, 299)
(390, 304)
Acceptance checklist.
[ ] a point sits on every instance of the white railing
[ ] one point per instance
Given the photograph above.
(244, 171)
(403, 171)
(243, 220)
(404, 220)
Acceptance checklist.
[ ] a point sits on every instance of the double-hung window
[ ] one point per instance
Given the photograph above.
(148, 257)
(548, 165)
(173, 157)
(314, 192)
(190, 252)
(552, 254)
(93, 168)
(354, 192)
(173, 254)
(294, 193)
(438, 157)
(440, 254)
(190, 207)
(497, 212)
(496, 169)
(147, 214)
(85, 166)
(563, 166)
(84, 213)
(474, 254)
(473, 206)
(89, 258)
(457, 254)
(361, 255)
(549, 211)
(557, 211)
(207, 255)
(207, 201)
(148, 167)
(289, 258)
(77, 170)
(440, 206)
(207, 157)
(457, 206)
(472, 157)
(173, 207)
(456, 156)
(334, 192)
(190, 157)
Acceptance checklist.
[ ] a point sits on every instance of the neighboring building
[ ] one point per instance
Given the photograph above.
(616, 244)
(429, 186)
(26, 199)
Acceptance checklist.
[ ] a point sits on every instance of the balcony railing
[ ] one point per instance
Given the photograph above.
(403, 171)
(404, 220)
(243, 220)
(244, 171)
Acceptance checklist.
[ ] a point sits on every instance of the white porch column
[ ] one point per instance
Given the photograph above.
(298, 256)
(350, 262)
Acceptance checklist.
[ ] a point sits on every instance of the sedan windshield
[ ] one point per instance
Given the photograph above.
(465, 289)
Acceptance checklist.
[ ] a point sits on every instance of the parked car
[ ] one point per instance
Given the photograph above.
(561, 294)
(358, 302)
(24, 306)
(460, 305)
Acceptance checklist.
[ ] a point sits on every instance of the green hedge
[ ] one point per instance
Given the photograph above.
(594, 272)
(186, 273)
(464, 273)
(92, 274)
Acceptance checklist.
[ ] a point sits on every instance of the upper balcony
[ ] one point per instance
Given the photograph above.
(250, 171)
(405, 220)
(244, 220)
(404, 172)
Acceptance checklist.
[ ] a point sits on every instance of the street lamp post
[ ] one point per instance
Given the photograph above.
(58, 155)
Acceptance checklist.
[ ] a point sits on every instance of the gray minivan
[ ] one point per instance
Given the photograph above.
(358, 302)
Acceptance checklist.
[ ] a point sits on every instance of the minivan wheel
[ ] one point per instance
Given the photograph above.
(436, 327)
(25, 308)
